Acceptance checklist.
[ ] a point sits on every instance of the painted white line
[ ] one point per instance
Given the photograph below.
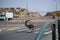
(0, 30)
(40, 28)
(48, 32)
(23, 30)
(35, 31)
(44, 32)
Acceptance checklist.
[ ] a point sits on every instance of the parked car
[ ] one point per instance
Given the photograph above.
(6, 16)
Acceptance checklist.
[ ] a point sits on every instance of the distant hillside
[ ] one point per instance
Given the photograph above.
(53, 13)
(21, 12)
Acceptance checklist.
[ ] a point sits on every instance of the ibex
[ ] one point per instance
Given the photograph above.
(30, 26)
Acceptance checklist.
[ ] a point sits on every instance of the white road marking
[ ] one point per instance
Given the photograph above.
(35, 31)
(24, 29)
(0, 30)
(48, 32)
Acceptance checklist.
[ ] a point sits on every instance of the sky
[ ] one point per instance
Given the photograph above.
(42, 6)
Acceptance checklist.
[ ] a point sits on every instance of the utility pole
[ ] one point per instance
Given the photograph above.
(26, 7)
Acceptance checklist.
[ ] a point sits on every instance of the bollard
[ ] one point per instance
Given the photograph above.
(54, 33)
(59, 29)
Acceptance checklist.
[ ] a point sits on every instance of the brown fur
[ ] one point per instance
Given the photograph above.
(30, 26)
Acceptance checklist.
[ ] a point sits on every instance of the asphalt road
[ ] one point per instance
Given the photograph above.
(22, 35)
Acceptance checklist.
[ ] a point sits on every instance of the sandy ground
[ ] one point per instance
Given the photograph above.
(34, 20)
(42, 20)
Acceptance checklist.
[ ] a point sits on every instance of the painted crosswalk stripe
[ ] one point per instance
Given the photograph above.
(0, 30)
(36, 30)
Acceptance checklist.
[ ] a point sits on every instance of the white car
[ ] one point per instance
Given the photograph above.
(6, 16)
(2, 16)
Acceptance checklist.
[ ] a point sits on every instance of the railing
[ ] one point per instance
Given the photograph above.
(41, 31)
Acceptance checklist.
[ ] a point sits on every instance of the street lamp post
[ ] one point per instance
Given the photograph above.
(26, 7)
